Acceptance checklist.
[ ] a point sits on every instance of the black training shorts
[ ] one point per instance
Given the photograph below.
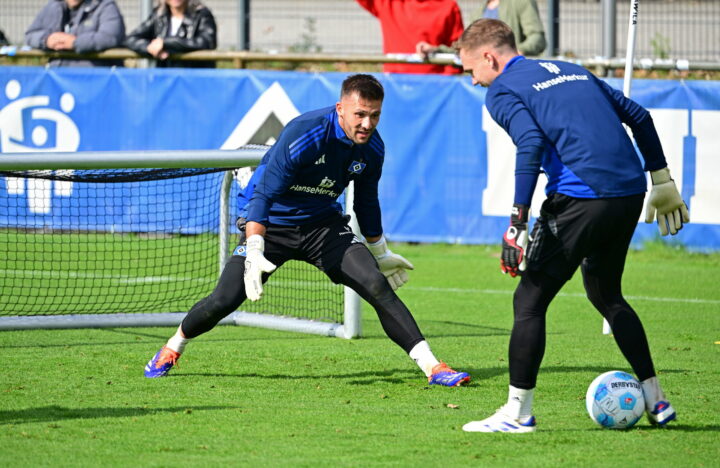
(570, 230)
(323, 243)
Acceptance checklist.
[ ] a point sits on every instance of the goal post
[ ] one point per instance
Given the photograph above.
(155, 265)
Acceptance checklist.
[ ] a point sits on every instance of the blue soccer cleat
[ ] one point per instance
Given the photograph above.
(501, 422)
(662, 413)
(442, 374)
(161, 363)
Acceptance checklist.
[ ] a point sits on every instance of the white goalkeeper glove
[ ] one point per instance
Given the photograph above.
(666, 201)
(391, 265)
(255, 265)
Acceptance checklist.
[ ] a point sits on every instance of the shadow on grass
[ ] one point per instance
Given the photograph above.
(399, 376)
(685, 428)
(645, 427)
(60, 413)
(491, 372)
(394, 376)
(473, 326)
(475, 330)
(448, 329)
(391, 376)
(161, 340)
(600, 369)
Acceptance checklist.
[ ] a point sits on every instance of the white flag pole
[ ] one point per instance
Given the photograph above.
(627, 80)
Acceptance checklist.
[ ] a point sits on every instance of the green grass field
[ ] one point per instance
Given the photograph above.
(249, 397)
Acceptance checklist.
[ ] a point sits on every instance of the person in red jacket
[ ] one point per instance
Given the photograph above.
(406, 23)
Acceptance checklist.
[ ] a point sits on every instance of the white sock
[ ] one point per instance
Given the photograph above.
(652, 392)
(178, 341)
(423, 357)
(519, 404)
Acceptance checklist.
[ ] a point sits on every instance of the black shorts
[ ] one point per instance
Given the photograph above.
(322, 244)
(570, 230)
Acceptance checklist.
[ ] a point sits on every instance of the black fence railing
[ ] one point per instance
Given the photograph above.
(241, 59)
(667, 29)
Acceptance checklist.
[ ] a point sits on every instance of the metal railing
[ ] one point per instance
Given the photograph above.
(667, 28)
(240, 59)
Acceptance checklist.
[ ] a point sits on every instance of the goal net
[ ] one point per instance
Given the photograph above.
(136, 247)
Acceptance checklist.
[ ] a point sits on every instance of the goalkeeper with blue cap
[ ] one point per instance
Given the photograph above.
(289, 211)
(569, 124)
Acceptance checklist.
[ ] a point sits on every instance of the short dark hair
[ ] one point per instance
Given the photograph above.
(191, 7)
(367, 87)
(486, 31)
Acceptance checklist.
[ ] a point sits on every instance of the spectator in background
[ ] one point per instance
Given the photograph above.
(175, 26)
(523, 18)
(407, 23)
(521, 15)
(3, 39)
(79, 26)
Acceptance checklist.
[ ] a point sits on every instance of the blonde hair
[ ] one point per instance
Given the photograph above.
(486, 31)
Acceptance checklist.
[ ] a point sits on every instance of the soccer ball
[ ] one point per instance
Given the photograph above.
(615, 400)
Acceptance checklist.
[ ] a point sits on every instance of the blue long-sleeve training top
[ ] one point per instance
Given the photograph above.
(300, 178)
(565, 120)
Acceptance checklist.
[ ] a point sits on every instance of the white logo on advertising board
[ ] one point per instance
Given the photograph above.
(30, 125)
(261, 124)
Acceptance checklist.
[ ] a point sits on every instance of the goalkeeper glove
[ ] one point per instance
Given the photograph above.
(515, 241)
(391, 265)
(666, 201)
(255, 265)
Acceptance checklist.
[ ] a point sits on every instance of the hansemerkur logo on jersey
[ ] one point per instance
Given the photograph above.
(356, 167)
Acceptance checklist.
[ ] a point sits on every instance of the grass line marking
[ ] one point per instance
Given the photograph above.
(129, 279)
(682, 300)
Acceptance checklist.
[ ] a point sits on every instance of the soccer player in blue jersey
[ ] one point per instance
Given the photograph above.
(289, 211)
(568, 123)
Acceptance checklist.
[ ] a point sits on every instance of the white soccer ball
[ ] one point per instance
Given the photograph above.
(615, 400)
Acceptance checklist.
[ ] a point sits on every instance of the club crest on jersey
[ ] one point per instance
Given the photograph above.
(326, 183)
(356, 167)
(240, 250)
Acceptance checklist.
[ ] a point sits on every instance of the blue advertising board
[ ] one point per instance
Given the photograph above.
(448, 167)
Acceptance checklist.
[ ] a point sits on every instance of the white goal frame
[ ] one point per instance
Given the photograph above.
(350, 328)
